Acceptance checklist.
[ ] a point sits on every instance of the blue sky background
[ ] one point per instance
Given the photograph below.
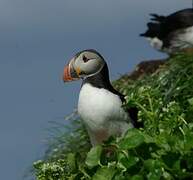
(37, 37)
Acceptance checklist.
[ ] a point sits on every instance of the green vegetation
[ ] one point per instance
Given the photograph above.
(163, 149)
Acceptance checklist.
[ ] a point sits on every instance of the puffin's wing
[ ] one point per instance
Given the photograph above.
(133, 114)
(161, 26)
(180, 19)
(132, 111)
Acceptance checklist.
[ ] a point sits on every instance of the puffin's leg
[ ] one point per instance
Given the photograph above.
(97, 137)
(92, 137)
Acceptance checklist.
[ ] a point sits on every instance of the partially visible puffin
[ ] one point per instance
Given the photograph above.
(99, 105)
(173, 33)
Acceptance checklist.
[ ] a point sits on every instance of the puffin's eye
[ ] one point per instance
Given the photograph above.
(85, 59)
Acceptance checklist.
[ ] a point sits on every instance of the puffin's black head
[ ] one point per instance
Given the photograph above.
(84, 64)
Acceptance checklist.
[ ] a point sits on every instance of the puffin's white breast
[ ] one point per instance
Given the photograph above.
(101, 109)
(155, 43)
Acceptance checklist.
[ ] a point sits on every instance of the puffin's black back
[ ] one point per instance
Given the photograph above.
(161, 26)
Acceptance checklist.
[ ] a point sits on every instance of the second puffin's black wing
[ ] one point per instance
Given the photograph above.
(180, 19)
(161, 26)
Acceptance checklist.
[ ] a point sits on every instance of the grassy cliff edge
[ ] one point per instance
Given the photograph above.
(163, 149)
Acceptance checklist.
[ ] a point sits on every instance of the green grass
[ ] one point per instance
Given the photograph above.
(163, 149)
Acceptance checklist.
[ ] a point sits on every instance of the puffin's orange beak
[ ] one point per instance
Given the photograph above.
(70, 73)
(67, 76)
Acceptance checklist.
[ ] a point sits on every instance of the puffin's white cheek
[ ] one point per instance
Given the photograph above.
(77, 64)
(92, 67)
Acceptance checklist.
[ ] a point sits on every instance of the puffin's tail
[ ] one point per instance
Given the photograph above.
(133, 113)
(154, 27)
(157, 18)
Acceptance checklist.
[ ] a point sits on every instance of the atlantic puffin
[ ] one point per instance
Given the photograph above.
(173, 33)
(99, 104)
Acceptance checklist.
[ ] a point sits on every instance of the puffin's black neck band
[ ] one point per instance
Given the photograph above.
(101, 80)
